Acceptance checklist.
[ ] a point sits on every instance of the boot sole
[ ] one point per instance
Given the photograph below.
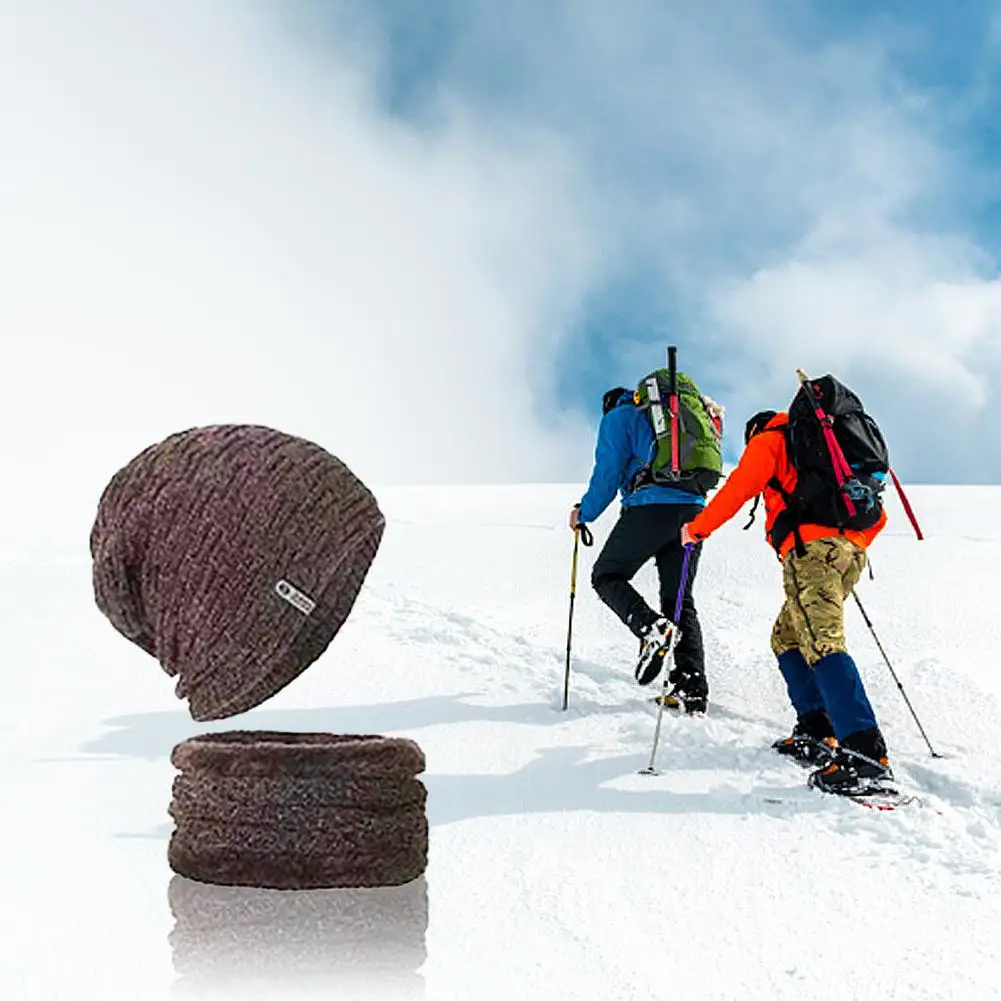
(870, 790)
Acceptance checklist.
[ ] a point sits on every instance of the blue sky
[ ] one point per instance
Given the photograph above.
(486, 214)
(651, 99)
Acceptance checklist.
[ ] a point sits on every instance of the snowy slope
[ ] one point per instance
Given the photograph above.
(557, 871)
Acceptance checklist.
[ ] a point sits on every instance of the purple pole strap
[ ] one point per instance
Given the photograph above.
(683, 584)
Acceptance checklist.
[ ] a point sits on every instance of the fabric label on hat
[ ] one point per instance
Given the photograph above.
(296, 598)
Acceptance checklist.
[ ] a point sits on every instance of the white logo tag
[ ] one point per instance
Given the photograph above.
(296, 598)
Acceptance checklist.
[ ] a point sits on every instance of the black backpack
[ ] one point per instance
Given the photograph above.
(840, 476)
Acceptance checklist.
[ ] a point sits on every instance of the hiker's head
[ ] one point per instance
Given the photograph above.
(757, 424)
(612, 398)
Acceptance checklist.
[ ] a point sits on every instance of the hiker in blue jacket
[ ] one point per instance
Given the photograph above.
(648, 528)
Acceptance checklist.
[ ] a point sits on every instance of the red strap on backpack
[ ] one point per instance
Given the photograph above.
(842, 471)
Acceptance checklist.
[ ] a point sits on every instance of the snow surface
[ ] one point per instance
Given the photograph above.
(557, 871)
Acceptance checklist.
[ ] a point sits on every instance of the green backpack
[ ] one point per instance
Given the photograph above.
(700, 427)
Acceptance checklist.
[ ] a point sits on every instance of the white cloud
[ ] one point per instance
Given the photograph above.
(201, 222)
(205, 219)
(896, 316)
(921, 342)
(804, 216)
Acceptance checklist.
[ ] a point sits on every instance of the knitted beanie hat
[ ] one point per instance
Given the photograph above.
(233, 554)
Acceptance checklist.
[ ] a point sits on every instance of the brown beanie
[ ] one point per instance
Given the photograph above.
(298, 810)
(233, 554)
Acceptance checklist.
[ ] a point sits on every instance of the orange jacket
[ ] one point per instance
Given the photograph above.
(764, 459)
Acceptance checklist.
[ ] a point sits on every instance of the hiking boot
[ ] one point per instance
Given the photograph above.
(692, 705)
(808, 750)
(812, 740)
(860, 766)
(695, 705)
(653, 646)
(691, 688)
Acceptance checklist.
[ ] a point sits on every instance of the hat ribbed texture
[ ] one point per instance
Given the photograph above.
(197, 536)
(239, 942)
(298, 810)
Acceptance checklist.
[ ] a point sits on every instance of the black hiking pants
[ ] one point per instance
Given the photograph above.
(643, 533)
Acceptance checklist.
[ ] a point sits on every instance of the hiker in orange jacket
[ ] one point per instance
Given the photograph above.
(836, 728)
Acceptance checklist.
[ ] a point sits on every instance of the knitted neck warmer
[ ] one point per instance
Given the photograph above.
(298, 810)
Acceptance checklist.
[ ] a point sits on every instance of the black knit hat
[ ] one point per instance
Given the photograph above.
(757, 423)
(611, 398)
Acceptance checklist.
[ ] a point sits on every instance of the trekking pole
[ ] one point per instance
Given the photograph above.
(581, 533)
(868, 622)
(650, 769)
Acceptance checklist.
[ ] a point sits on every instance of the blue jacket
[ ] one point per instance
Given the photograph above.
(625, 444)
